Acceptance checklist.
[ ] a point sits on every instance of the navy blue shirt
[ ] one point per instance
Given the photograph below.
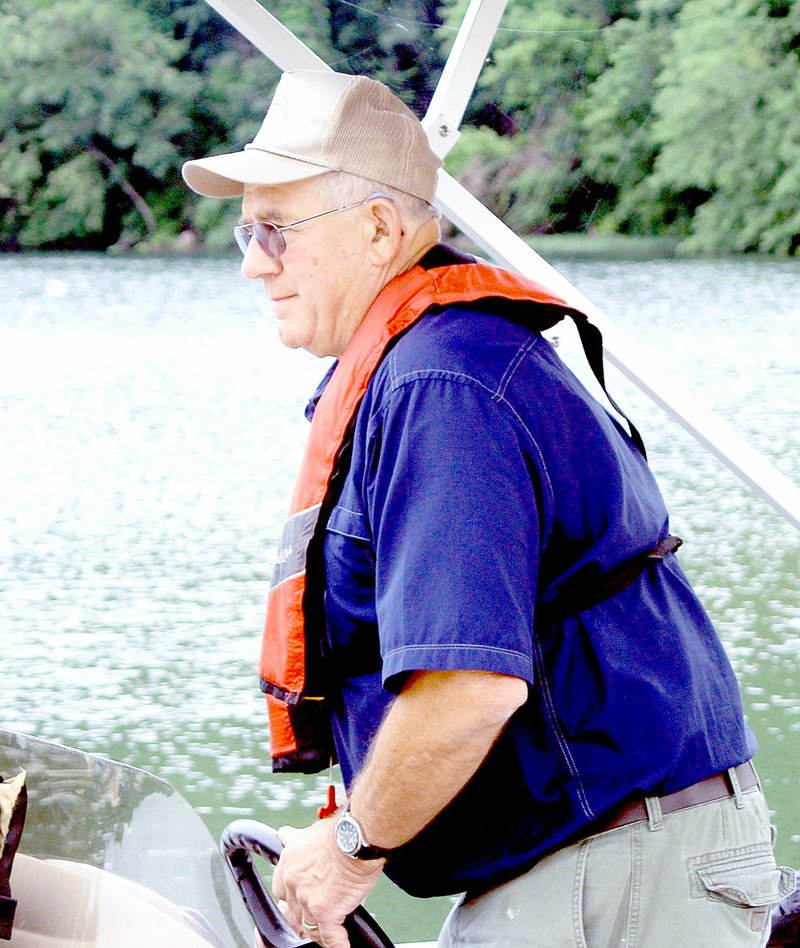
(482, 475)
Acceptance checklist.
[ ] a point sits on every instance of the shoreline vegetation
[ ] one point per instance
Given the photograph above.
(606, 247)
(617, 119)
(579, 246)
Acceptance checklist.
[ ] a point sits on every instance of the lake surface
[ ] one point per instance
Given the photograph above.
(151, 428)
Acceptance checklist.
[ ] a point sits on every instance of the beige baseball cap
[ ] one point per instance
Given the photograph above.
(320, 121)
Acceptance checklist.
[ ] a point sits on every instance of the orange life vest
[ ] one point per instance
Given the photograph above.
(292, 663)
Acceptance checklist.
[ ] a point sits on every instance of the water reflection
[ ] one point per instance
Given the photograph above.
(152, 425)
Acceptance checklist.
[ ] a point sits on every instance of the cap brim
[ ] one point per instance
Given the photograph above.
(225, 176)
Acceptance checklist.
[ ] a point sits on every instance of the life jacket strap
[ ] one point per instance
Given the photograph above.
(592, 342)
(588, 587)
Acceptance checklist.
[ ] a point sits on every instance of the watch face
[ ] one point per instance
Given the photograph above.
(347, 836)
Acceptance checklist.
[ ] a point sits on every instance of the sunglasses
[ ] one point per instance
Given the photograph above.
(270, 237)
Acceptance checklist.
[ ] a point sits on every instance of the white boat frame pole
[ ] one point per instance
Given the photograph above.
(488, 232)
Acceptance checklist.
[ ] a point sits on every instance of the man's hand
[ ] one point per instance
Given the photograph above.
(317, 885)
(405, 782)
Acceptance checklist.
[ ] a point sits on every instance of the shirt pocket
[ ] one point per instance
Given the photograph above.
(349, 523)
(746, 877)
(350, 611)
(349, 541)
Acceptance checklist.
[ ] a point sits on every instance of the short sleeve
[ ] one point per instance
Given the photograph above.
(451, 494)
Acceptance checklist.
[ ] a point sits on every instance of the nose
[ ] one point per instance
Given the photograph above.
(258, 263)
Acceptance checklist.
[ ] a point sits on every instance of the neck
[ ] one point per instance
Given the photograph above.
(419, 243)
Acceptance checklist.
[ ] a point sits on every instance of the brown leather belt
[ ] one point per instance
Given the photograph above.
(712, 788)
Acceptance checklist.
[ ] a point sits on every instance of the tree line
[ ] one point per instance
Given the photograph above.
(641, 117)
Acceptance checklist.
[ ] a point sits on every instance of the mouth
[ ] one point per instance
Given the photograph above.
(279, 300)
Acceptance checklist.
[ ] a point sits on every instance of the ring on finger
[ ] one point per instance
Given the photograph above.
(309, 925)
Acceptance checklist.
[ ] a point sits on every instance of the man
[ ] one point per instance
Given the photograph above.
(476, 600)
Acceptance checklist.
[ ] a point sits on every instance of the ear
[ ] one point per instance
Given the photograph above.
(384, 230)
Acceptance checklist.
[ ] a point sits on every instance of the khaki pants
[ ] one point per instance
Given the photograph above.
(703, 877)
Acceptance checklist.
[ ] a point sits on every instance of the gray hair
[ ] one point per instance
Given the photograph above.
(342, 188)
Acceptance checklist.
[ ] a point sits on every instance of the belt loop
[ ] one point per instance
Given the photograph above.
(655, 818)
(737, 790)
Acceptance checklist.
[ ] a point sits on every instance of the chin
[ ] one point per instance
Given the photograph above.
(288, 338)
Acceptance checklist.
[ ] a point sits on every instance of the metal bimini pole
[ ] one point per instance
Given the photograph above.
(488, 232)
(457, 81)
(268, 34)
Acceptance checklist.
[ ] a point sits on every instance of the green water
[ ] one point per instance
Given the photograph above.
(151, 428)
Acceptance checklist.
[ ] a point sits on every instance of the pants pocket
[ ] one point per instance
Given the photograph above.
(746, 877)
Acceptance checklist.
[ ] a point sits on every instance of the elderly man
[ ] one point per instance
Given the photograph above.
(476, 607)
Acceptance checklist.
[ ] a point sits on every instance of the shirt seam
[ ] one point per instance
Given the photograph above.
(344, 533)
(447, 375)
(461, 646)
(561, 740)
(514, 364)
(356, 513)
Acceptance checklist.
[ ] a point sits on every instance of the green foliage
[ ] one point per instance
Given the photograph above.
(618, 148)
(545, 58)
(678, 118)
(390, 42)
(93, 114)
(694, 127)
(652, 117)
(725, 118)
(69, 204)
(487, 164)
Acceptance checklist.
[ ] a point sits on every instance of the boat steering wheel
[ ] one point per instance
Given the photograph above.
(239, 841)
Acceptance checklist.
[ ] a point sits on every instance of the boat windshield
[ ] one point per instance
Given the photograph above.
(101, 813)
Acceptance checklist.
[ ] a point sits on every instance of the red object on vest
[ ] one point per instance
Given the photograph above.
(299, 721)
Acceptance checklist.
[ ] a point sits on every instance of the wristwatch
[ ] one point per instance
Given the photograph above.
(350, 838)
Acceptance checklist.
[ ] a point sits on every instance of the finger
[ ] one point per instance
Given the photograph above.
(286, 911)
(285, 834)
(292, 917)
(331, 936)
(278, 886)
